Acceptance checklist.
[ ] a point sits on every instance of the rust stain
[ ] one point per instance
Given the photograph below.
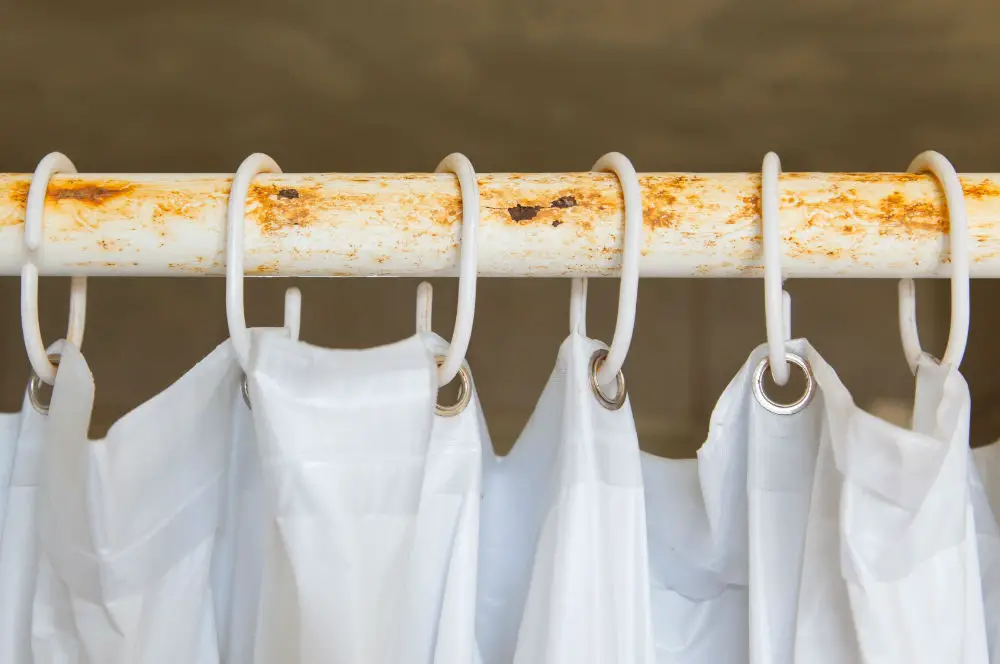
(895, 214)
(267, 268)
(984, 189)
(695, 201)
(381, 258)
(90, 194)
(750, 208)
(449, 213)
(193, 269)
(660, 208)
(279, 210)
(577, 204)
(866, 178)
(17, 197)
(17, 193)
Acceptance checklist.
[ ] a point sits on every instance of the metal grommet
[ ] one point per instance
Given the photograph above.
(464, 391)
(783, 408)
(596, 360)
(35, 387)
(245, 389)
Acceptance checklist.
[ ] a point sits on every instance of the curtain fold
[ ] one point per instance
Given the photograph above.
(333, 514)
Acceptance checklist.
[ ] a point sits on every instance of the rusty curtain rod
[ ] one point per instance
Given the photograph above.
(534, 225)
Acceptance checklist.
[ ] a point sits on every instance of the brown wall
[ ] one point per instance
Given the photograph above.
(517, 85)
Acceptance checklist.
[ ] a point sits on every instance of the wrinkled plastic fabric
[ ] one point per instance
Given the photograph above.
(891, 571)
(371, 507)
(987, 464)
(564, 552)
(984, 483)
(696, 511)
(237, 561)
(127, 525)
(22, 436)
(10, 429)
(343, 521)
(782, 454)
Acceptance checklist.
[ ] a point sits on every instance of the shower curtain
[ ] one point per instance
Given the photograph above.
(326, 511)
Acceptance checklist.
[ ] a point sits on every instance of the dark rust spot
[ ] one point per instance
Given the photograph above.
(92, 194)
(523, 212)
(556, 223)
(277, 212)
(564, 202)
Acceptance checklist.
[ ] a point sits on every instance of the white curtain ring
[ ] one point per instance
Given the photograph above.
(628, 292)
(251, 167)
(958, 335)
(460, 165)
(776, 302)
(43, 368)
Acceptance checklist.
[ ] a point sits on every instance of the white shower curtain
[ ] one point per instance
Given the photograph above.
(335, 517)
(371, 506)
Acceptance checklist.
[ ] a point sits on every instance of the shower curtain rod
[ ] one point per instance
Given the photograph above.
(532, 225)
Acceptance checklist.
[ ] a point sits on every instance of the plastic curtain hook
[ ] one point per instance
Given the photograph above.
(425, 303)
(252, 166)
(425, 307)
(606, 365)
(777, 302)
(578, 307)
(460, 165)
(958, 335)
(42, 366)
(292, 325)
(628, 292)
(293, 312)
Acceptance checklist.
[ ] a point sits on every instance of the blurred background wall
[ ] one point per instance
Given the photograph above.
(518, 85)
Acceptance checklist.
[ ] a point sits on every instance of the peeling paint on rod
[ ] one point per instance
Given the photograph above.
(538, 225)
